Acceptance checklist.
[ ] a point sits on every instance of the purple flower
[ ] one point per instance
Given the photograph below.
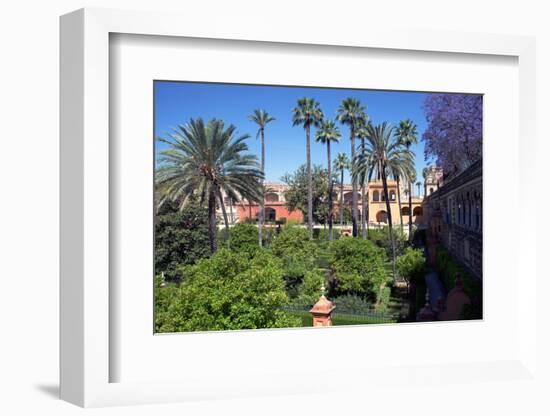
(455, 130)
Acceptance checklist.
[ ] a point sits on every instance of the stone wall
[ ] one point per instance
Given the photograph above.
(454, 215)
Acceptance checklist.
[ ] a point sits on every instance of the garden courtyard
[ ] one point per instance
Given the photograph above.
(344, 239)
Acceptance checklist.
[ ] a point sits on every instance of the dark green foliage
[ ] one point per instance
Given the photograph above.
(381, 237)
(181, 238)
(298, 253)
(244, 238)
(447, 268)
(352, 304)
(419, 238)
(296, 194)
(227, 291)
(358, 267)
(411, 264)
(321, 234)
(310, 289)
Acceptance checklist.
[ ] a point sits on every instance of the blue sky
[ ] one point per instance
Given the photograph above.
(177, 102)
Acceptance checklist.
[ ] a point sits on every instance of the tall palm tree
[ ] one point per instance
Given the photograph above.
(204, 159)
(384, 157)
(341, 163)
(261, 118)
(363, 180)
(350, 113)
(306, 114)
(328, 132)
(418, 184)
(407, 134)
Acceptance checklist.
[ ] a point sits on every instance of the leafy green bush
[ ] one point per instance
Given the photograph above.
(352, 304)
(244, 238)
(310, 289)
(298, 253)
(358, 267)
(383, 300)
(381, 237)
(227, 291)
(181, 238)
(322, 234)
(411, 264)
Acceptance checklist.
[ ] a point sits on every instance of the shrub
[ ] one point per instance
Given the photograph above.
(383, 300)
(298, 253)
(358, 267)
(310, 289)
(382, 239)
(227, 291)
(244, 238)
(352, 304)
(181, 238)
(322, 235)
(411, 264)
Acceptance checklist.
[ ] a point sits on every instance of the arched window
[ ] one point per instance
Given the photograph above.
(382, 216)
(417, 211)
(392, 195)
(431, 190)
(405, 211)
(271, 197)
(376, 196)
(270, 214)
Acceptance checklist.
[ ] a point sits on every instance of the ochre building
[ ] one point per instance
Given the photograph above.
(276, 209)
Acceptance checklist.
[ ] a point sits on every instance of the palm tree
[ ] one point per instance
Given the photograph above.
(306, 114)
(418, 184)
(384, 157)
(261, 118)
(407, 135)
(350, 113)
(328, 132)
(362, 134)
(341, 163)
(204, 159)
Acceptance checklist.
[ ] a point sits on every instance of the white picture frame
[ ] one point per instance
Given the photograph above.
(85, 352)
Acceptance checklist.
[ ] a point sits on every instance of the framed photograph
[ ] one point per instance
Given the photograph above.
(235, 210)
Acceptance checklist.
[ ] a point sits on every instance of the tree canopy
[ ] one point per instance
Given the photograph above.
(296, 194)
(455, 128)
(227, 291)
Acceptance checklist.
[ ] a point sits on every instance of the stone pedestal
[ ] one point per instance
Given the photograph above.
(322, 312)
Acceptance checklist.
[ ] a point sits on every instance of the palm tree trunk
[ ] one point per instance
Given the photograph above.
(388, 208)
(363, 199)
(410, 212)
(231, 211)
(341, 198)
(399, 203)
(329, 192)
(212, 220)
(261, 213)
(354, 187)
(309, 185)
(224, 212)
